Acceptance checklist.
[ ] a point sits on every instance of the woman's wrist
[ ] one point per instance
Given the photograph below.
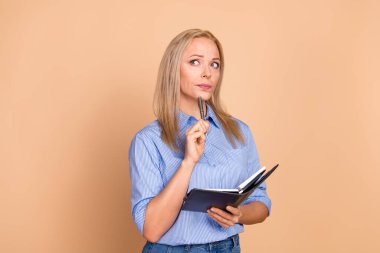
(188, 164)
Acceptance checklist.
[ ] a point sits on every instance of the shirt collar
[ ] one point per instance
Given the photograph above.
(184, 119)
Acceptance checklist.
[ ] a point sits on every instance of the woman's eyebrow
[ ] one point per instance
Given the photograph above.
(201, 56)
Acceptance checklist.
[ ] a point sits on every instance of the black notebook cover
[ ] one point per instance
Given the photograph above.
(200, 200)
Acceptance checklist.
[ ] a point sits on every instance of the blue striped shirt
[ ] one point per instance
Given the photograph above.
(153, 163)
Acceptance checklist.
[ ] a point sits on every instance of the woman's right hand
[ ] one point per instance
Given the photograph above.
(195, 141)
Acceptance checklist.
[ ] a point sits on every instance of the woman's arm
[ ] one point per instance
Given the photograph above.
(163, 209)
(254, 212)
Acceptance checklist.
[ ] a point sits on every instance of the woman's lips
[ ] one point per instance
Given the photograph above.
(204, 86)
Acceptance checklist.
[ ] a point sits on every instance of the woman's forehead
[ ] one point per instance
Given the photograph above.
(202, 47)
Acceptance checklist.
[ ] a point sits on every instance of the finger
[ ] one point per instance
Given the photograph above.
(193, 137)
(202, 125)
(222, 221)
(229, 216)
(221, 224)
(201, 138)
(218, 219)
(196, 128)
(233, 210)
(222, 216)
(222, 213)
(205, 124)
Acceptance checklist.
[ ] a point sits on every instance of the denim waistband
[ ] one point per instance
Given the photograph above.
(229, 243)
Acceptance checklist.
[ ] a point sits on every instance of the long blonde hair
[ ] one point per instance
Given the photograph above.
(167, 93)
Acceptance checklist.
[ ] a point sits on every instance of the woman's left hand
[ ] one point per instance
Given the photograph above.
(225, 219)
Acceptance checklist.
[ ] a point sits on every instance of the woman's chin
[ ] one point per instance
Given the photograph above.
(194, 96)
(205, 96)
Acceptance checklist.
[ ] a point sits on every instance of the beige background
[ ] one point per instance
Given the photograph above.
(77, 81)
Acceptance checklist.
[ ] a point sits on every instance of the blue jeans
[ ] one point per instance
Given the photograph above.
(229, 245)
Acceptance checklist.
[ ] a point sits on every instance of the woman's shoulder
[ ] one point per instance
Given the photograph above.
(146, 138)
(242, 125)
(152, 130)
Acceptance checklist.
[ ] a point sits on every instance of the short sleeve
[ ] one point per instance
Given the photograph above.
(146, 179)
(260, 193)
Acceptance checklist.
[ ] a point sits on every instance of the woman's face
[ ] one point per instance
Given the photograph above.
(200, 69)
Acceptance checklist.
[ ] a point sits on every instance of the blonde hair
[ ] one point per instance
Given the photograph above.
(167, 93)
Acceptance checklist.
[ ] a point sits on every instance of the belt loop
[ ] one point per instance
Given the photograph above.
(235, 240)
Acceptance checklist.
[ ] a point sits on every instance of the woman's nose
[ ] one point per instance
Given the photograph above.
(206, 72)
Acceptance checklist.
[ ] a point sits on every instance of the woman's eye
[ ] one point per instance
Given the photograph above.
(194, 62)
(215, 65)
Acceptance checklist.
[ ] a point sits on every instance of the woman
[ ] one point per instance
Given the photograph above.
(180, 151)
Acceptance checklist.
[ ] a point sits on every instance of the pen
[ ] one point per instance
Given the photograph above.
(200, 104)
